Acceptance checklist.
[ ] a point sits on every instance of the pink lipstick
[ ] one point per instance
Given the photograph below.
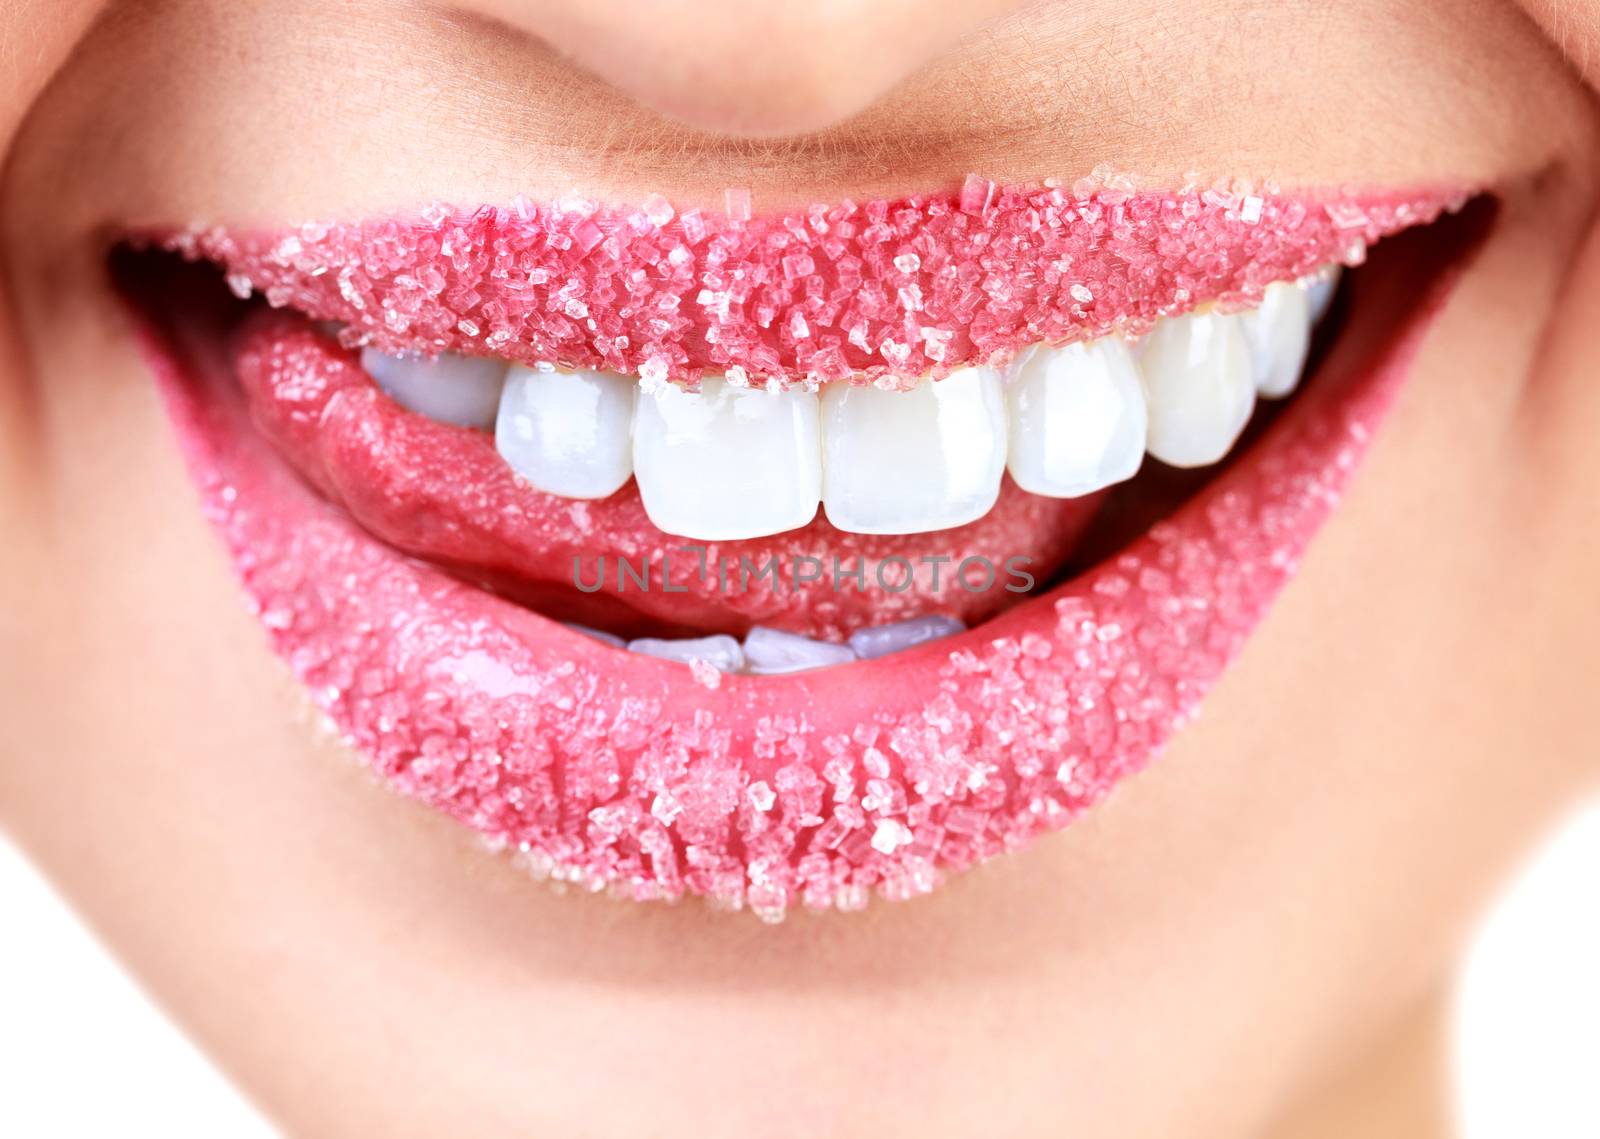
(893, 289)
(393, 564)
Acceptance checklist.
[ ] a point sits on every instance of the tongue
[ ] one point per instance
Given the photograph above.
(443, 493)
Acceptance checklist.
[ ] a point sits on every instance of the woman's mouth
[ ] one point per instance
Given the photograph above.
(788, 558)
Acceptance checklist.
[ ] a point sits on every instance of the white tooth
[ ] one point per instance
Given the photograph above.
(600, 635)
(1077, 418)
(1197, 386)
(727, 463)
(768, 652)
(463, 390)
(567, 433)
(1279, 333)
(909, 462)
(722, 652)
(1320, 287)
(881, 640)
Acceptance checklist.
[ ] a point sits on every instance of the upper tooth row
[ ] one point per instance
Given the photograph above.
(731, 462)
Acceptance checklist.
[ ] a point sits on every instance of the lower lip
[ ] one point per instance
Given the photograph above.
(653, 780)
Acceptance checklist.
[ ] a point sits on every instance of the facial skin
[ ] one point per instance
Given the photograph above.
(1250, 939)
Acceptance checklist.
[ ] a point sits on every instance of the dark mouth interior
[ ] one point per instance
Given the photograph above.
(193, 299)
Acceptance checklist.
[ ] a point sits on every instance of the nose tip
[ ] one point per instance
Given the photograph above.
(750, 67)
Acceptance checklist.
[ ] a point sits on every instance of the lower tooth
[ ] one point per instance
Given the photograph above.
(769, 652)
(722, 652)
(881, 640)
(459, 390)
(1198, 388)
(600, 635)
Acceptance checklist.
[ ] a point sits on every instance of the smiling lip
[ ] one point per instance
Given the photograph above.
(613, 770)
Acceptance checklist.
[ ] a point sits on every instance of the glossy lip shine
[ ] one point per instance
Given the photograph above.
(656, 780)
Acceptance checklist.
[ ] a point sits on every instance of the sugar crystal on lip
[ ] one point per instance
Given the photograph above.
(761, 796)
(736, 201)
(658, 210)
(977, 194)
(890, 836)
(705, 673)
(1347, 215)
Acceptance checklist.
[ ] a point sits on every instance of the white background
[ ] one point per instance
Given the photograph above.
(83, 1053)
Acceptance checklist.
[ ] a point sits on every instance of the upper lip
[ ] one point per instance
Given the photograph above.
(921, 285)
(644, 776)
